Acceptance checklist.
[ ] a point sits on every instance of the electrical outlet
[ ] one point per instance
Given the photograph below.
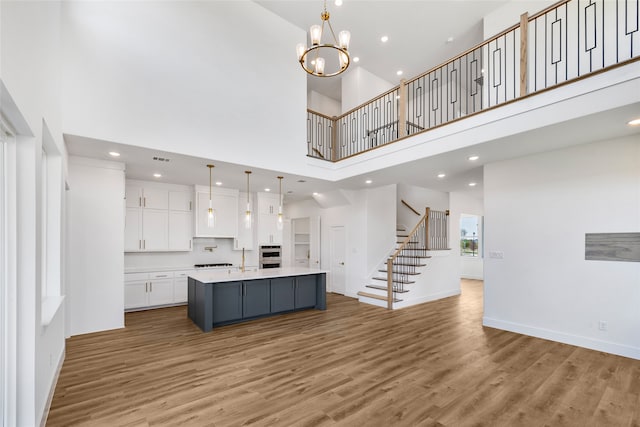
(603, 325)
(496, 254)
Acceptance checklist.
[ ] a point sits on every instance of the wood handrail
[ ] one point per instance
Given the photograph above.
(406, 241)
(410, 207)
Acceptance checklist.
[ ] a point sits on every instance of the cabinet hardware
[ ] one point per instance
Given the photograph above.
(190, 206)
(150, 286)
(146, 287)
(189, 244)
(144, 202)
(139, 201)
(162, 275)
(139, 244)
(144, 244)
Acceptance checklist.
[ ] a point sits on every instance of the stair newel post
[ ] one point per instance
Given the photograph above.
(390, 283)
(426, 229)
(524, 37)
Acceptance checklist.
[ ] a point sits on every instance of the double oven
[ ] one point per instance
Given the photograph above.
(270, 256)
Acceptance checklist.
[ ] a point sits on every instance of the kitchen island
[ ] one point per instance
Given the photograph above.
(219, 298)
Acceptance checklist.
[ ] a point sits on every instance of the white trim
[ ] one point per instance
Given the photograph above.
(9, 308)
(96, 163)
(577, 340)
(3, 279)
(52, 391)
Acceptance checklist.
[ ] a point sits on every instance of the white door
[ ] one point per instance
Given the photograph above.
(337, 254)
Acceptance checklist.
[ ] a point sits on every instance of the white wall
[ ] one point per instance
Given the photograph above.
(537, 211)
(216, 76)
(359, 86)
(509, 14)
(96, 245)
(323, 104)
(419, 198)
(369, 221)
(464, 203)
(30, 74)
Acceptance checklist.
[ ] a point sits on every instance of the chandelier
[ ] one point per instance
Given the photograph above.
(314, 64)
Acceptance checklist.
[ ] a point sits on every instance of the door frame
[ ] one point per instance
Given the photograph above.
(331, 255)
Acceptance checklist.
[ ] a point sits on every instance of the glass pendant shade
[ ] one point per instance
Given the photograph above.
(300, 48)
(211, 218)
(344, 37)
(320, 66)
(315, 32)
(247, 217)
(280, 222)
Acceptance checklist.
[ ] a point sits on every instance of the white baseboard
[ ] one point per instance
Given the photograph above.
(421, 300)
(372, 301)
(47, 406)
(577, 340)
(471, 277)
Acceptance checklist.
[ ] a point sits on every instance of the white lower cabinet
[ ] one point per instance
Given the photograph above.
(155, 289)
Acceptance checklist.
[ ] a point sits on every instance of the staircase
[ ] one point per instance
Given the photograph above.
(406, 261)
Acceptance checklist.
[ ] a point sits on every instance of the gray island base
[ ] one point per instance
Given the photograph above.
(219, 298)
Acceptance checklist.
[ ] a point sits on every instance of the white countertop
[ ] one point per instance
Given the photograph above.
(217, 276)
(178, 268)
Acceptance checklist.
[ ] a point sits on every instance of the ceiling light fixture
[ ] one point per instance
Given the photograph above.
(338, 2)
(356, 59)
(441, 175)
(384, 39)
(247, 214)
(157, 175)
(368, 181)
(474, 158)
(340, 44)
(472, 184)
(114, 154)
(267, 189)
(399, 72)
(218, 183)
(635, 122)
(315, 193)
(211, 215)
(280, 219)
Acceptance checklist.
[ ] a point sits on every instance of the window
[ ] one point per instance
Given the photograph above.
(470, 235)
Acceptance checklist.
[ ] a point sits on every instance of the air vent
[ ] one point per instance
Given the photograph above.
(161, 159)
(301, 180)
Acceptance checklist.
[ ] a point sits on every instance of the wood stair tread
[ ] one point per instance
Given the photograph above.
(384, 288)
(400, 272)
(374, 296)
(404, 282)
(413, 256)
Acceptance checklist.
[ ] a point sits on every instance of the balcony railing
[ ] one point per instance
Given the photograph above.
(565, 42)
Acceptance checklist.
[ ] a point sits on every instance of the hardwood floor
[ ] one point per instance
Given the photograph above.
(353, 365)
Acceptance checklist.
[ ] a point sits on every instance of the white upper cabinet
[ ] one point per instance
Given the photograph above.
(151, 222)
(225, 207)
(268, 233)
(180, 201)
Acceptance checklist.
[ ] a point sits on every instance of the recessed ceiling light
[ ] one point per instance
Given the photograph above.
(114, 154)
(634, 122)
(474, 158)
(450, 39)
(441, 175)
(157, 175)
(399, 72)
(313, 62)
(338, 2)
(267, 189)
(368, 181)
(356, 59)
(218, 183)
(315, 193)
(384, 39)
(472, 184)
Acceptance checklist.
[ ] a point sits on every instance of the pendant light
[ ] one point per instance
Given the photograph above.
(247, 215)
(211, 215)
(280, 223)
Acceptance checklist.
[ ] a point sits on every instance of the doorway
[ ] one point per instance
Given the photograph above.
(337, 255)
